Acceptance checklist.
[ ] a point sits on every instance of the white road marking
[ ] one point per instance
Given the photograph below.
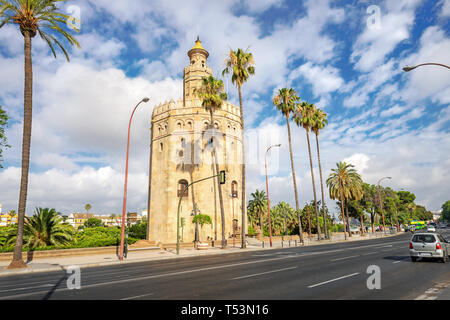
(26, 288)
(345, 258)
(396, 261)
(366, 254)
(258, 274)
(135, 297)
(332, 280)
(153, 276)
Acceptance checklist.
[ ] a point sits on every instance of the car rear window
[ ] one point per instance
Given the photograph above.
(424, 238)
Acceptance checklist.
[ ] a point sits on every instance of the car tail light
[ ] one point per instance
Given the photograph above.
(438, 246)
(410, 245)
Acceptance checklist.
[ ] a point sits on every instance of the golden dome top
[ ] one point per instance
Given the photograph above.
(198, 44)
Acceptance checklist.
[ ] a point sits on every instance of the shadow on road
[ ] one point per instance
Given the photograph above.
(52, 290)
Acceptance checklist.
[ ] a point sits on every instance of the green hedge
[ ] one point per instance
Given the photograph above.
(88, 238)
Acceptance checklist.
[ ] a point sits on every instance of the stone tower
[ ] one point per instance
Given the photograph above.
(181, 148)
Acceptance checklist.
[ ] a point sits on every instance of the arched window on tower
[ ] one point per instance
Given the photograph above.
(234, 191)
(182, 184)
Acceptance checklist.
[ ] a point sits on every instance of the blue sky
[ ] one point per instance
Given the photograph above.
(382, 120)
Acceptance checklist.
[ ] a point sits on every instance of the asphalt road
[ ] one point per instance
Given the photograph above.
(333, 271)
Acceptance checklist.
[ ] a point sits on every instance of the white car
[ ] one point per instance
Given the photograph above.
(431, 229)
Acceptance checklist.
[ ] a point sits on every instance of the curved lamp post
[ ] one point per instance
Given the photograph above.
(267, 187)
(381, 202)
(409, 68)
(126, 179)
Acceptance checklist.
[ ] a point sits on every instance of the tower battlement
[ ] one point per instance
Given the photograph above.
(189, 104)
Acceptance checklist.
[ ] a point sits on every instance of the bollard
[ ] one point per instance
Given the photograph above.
(289, 242)
(263, 244)
(295, 242)
(282, 243)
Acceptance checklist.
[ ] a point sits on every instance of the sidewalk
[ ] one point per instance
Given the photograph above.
(142, 255)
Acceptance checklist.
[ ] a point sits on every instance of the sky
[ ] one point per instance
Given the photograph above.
(346, 57)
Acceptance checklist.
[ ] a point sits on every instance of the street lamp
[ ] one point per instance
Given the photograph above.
(267, 187)
(126, 180)
(409, 68)
(381, 202)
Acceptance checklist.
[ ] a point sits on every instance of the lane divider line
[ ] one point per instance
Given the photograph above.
(258, 274)
(332, 280)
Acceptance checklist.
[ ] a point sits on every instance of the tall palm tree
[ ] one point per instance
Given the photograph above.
(212, 94)
(87, 207)
(303, 116)
(241, 64)
(33, 17)
(258, 205)
(319, 122)
(45, 228)
(344, 183)
(285, 102)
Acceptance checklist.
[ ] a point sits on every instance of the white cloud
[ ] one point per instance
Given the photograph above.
(374, 44)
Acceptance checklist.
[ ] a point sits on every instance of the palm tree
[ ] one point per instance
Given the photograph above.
(319, 122)
(45, 228)
(241, 64)
(344, 183)
(212, 95)
(303, 116)
(87, 207)
(285, 102)
(258, 205)
(32, 17)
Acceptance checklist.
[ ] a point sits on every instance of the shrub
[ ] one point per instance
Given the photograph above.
(251, 231)
(138, 231)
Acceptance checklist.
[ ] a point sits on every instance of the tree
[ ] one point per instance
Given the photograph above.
(368, 202)
(241, 64)
(258, 206)
(212, 95)
(285, 102)
(12, 213)
(93, 223)
(319, 122)
(344, 183)
(45, 228)
(303, 116)
(87, 207)
(201, 219)
(446, 211)
(3, 140)
(33, 17)
(283, 218)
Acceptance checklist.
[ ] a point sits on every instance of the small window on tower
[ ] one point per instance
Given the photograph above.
(203, 64)
(182, 185)
(161, 147)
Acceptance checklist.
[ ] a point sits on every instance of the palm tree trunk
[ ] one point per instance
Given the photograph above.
(348, 222)
(343, 218)
(321, 188)
(17, 261)
(372, 220)
(149, 183)
(362, 224)
(297, 207)
(243, 192)
(219, 186)
(314, 186)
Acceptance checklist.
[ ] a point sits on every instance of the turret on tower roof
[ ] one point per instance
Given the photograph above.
(198, 48)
